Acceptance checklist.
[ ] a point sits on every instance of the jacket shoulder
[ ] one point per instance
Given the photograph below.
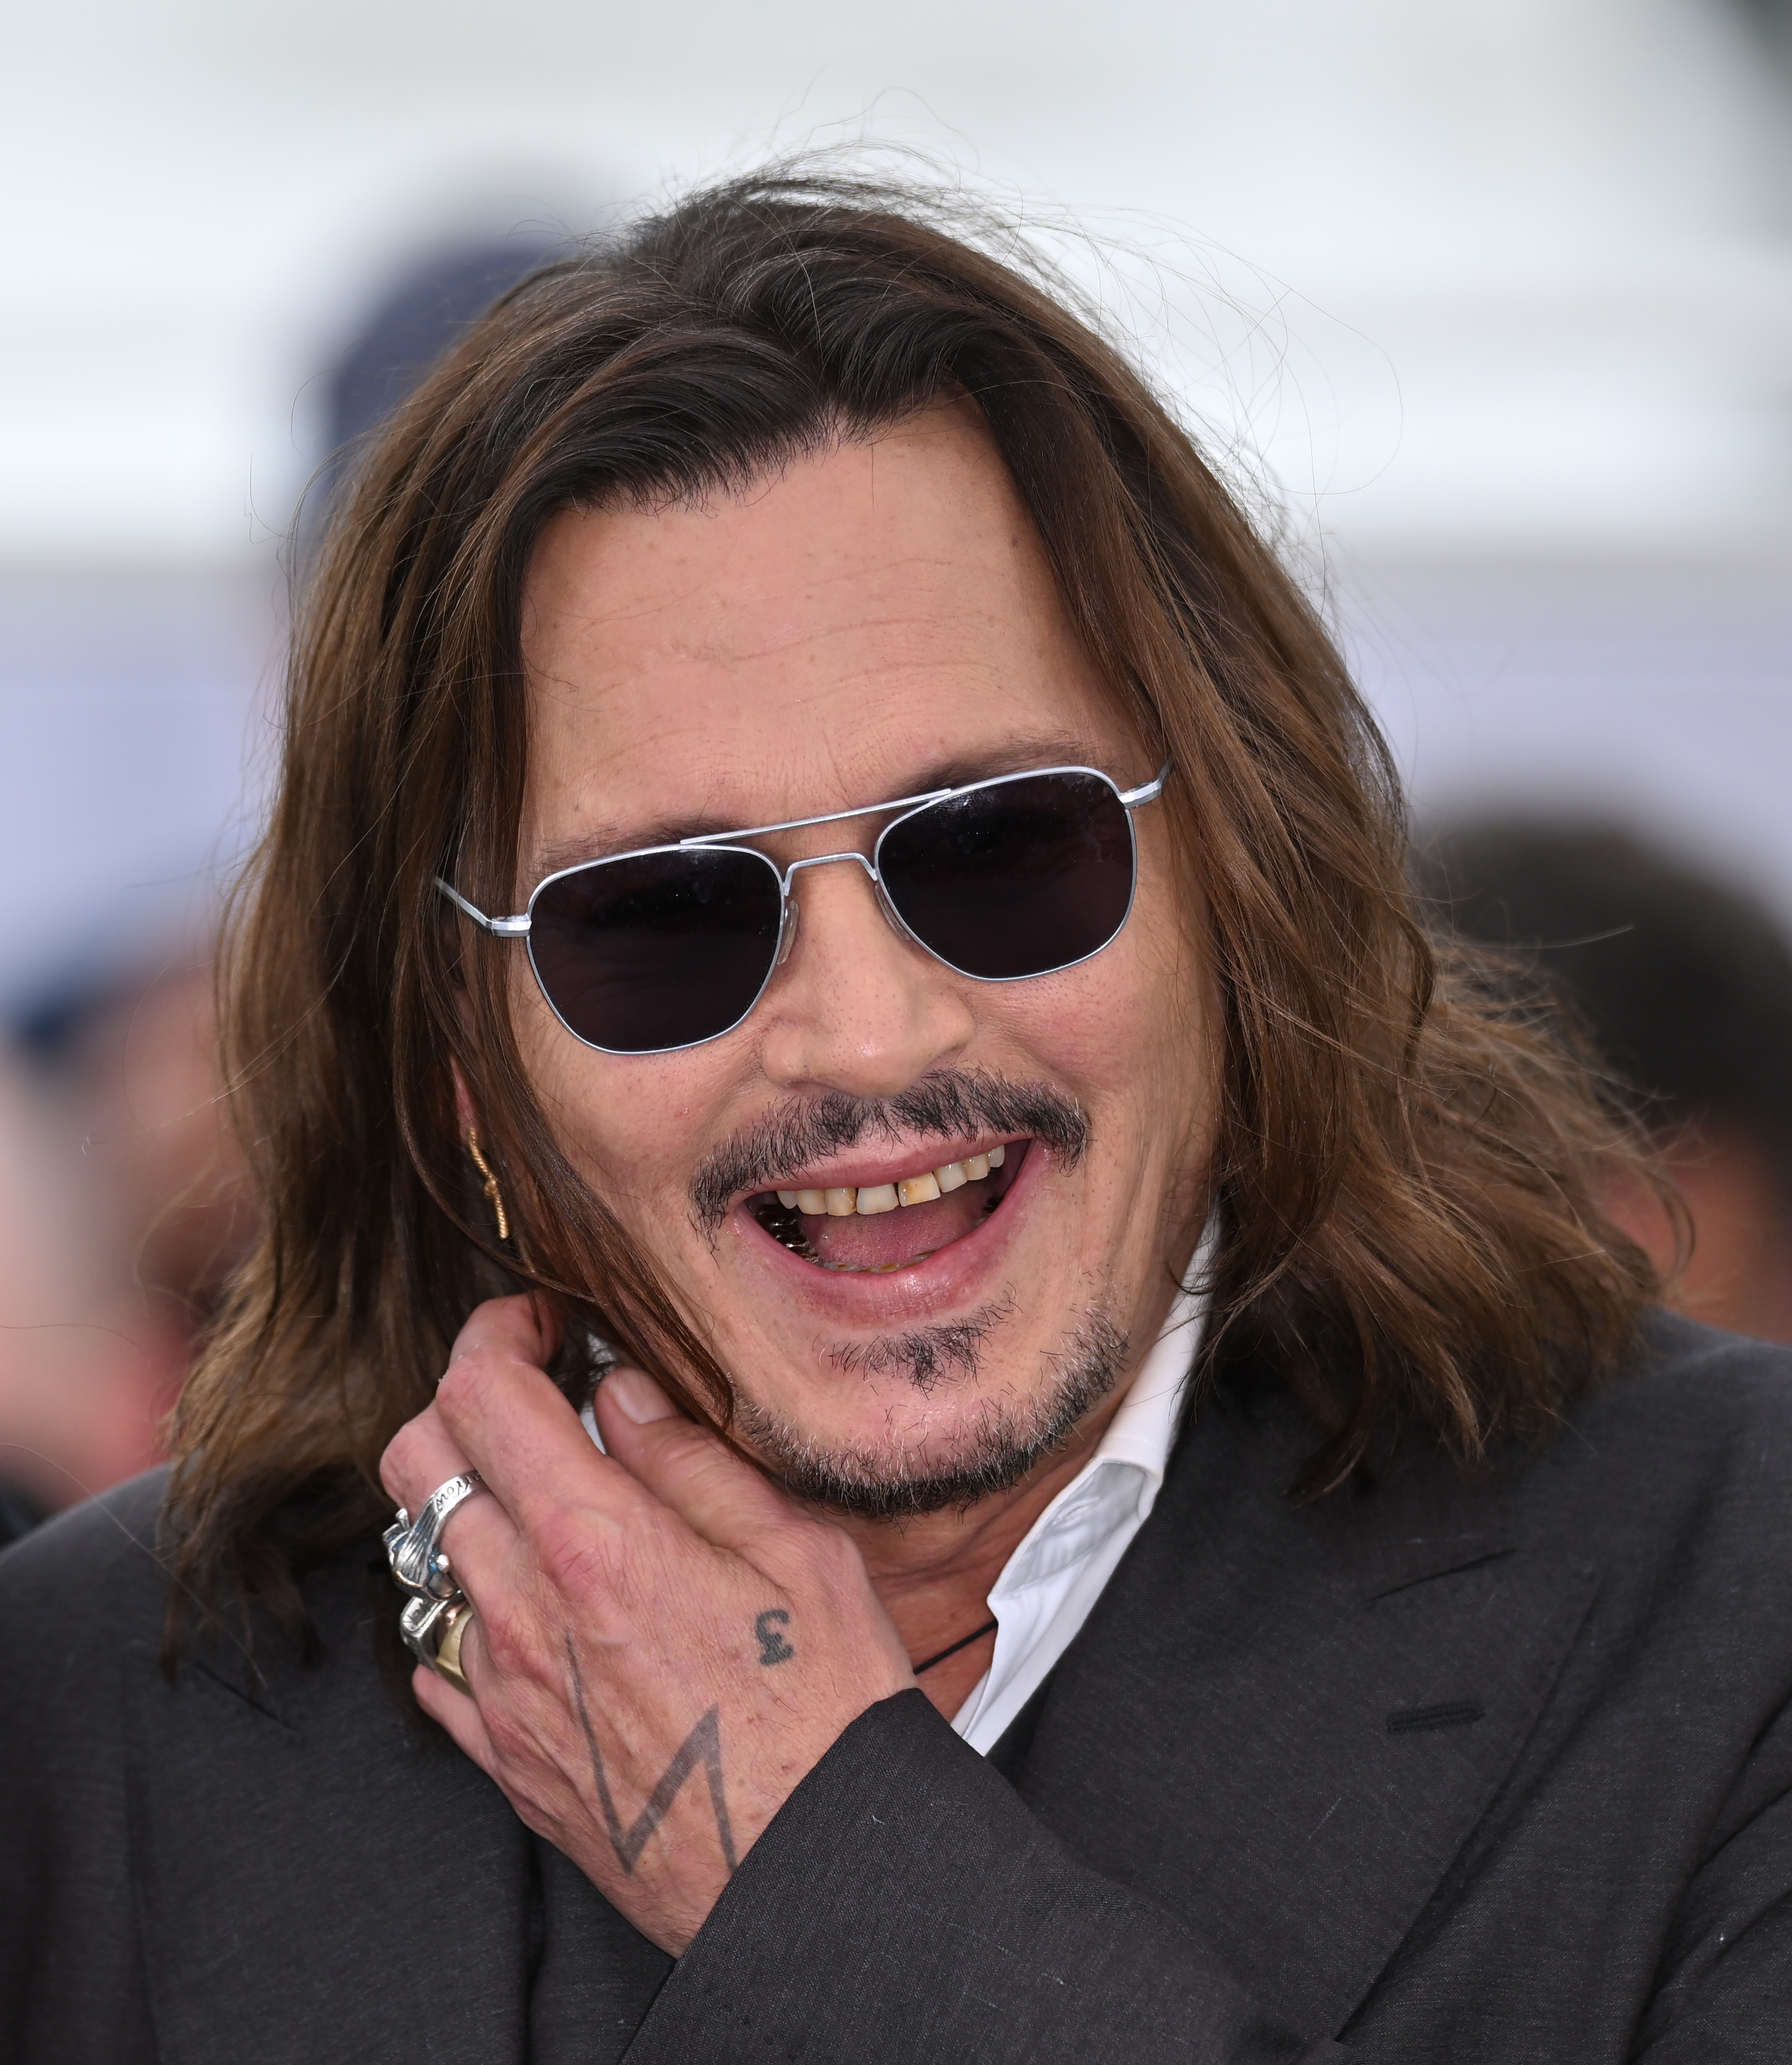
(82, 1600)
(1673, 1348)
(1692, 1445)
(1697, 1390)
(93, 1575)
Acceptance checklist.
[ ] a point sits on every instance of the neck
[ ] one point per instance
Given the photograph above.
(959, 1553)
(934, 1572)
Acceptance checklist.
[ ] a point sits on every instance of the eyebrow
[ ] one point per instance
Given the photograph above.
(610, 841)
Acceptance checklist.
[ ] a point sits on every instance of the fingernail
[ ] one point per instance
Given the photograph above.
(639, 1397)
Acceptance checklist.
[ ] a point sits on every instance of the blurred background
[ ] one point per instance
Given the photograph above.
(1486, 303)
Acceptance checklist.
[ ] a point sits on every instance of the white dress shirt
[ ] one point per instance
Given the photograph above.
(1049, 1585)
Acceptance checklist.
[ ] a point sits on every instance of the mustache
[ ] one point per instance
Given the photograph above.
(950, 1102)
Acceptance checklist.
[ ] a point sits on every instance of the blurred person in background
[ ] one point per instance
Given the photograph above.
(124, 1208)
(835, 921)
(123, 1202)
(417, 315)
(1684, 985)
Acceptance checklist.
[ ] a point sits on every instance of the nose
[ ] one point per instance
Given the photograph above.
(856, 1006)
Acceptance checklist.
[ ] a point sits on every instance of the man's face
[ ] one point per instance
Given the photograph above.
(869, 622)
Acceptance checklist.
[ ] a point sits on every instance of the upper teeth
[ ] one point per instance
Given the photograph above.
(921, 1190)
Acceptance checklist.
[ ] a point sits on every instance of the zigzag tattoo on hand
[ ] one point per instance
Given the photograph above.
(702, 1745)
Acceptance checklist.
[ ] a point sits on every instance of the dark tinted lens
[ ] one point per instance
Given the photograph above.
(660, 950)
(1016, 880)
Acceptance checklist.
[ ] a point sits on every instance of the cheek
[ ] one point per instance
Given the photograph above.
(628, 1124)
(1135, 1027)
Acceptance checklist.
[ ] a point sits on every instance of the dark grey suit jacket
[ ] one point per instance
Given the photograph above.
(1467, 1772)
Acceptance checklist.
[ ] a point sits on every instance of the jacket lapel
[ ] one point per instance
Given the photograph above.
(1284, 1725)
(315, 1879)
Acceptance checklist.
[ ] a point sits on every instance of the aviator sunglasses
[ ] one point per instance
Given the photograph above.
(671, 946)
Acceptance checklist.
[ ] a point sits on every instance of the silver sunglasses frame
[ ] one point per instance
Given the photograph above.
(518, 926)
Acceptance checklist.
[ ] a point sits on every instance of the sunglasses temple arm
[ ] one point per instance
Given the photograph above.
(504, 928)
(1131, 798)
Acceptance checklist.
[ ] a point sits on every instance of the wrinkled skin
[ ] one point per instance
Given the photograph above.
(877, 616)
(656, 1563)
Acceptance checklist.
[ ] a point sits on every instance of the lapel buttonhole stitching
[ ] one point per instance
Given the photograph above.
(1421, 1720)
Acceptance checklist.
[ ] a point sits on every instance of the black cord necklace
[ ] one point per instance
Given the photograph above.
(976, 1634)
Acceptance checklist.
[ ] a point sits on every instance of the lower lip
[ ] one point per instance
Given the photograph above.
(959, 1275)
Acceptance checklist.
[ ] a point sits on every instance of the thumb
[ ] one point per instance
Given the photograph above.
(685, 1466)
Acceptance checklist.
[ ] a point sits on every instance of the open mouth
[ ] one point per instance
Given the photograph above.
(877, 1228)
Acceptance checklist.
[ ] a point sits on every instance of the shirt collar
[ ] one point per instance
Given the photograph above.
(1118, 1485)
(1144, 1431)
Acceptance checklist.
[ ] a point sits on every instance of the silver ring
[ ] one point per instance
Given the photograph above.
(412, 1548)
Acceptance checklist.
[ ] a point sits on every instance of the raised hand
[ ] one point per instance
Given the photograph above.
(664, 1645)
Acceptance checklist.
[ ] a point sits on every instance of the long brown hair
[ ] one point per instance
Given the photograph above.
(1408, 1171)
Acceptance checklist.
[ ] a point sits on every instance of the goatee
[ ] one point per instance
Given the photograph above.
(1003, 1443)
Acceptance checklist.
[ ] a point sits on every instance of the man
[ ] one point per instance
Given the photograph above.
(1138, 1516)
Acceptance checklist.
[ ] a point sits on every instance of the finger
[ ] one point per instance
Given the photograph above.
(508, 1417)
(478, 1535)
(515, 1332)
(422, 1455)
(457, 1713)
(520, 1324)
(685, 1466)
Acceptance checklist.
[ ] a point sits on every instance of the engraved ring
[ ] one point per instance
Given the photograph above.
(413, 1548)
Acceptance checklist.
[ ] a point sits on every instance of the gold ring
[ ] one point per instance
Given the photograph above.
(447, 1652)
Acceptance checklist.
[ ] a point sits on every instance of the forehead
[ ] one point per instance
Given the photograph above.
(876, 618)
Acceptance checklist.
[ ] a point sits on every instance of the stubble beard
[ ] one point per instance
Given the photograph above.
(1004, 1439)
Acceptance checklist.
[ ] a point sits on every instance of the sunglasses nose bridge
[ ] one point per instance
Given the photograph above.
(826, 860)
(793, 910)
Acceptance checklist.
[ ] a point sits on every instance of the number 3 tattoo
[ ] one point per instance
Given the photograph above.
(773, 1648)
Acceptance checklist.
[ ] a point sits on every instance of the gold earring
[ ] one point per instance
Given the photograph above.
(494, 1196)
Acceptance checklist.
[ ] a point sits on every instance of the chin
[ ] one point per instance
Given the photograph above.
(940, 1416)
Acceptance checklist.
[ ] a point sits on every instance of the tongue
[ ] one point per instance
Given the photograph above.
(884, 1239)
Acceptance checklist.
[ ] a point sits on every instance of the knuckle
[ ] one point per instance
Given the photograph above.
(503, 1634)
(510, 1741)
(575, 1553)
(464, 1385)
(402, 1457)
(687, 1446)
